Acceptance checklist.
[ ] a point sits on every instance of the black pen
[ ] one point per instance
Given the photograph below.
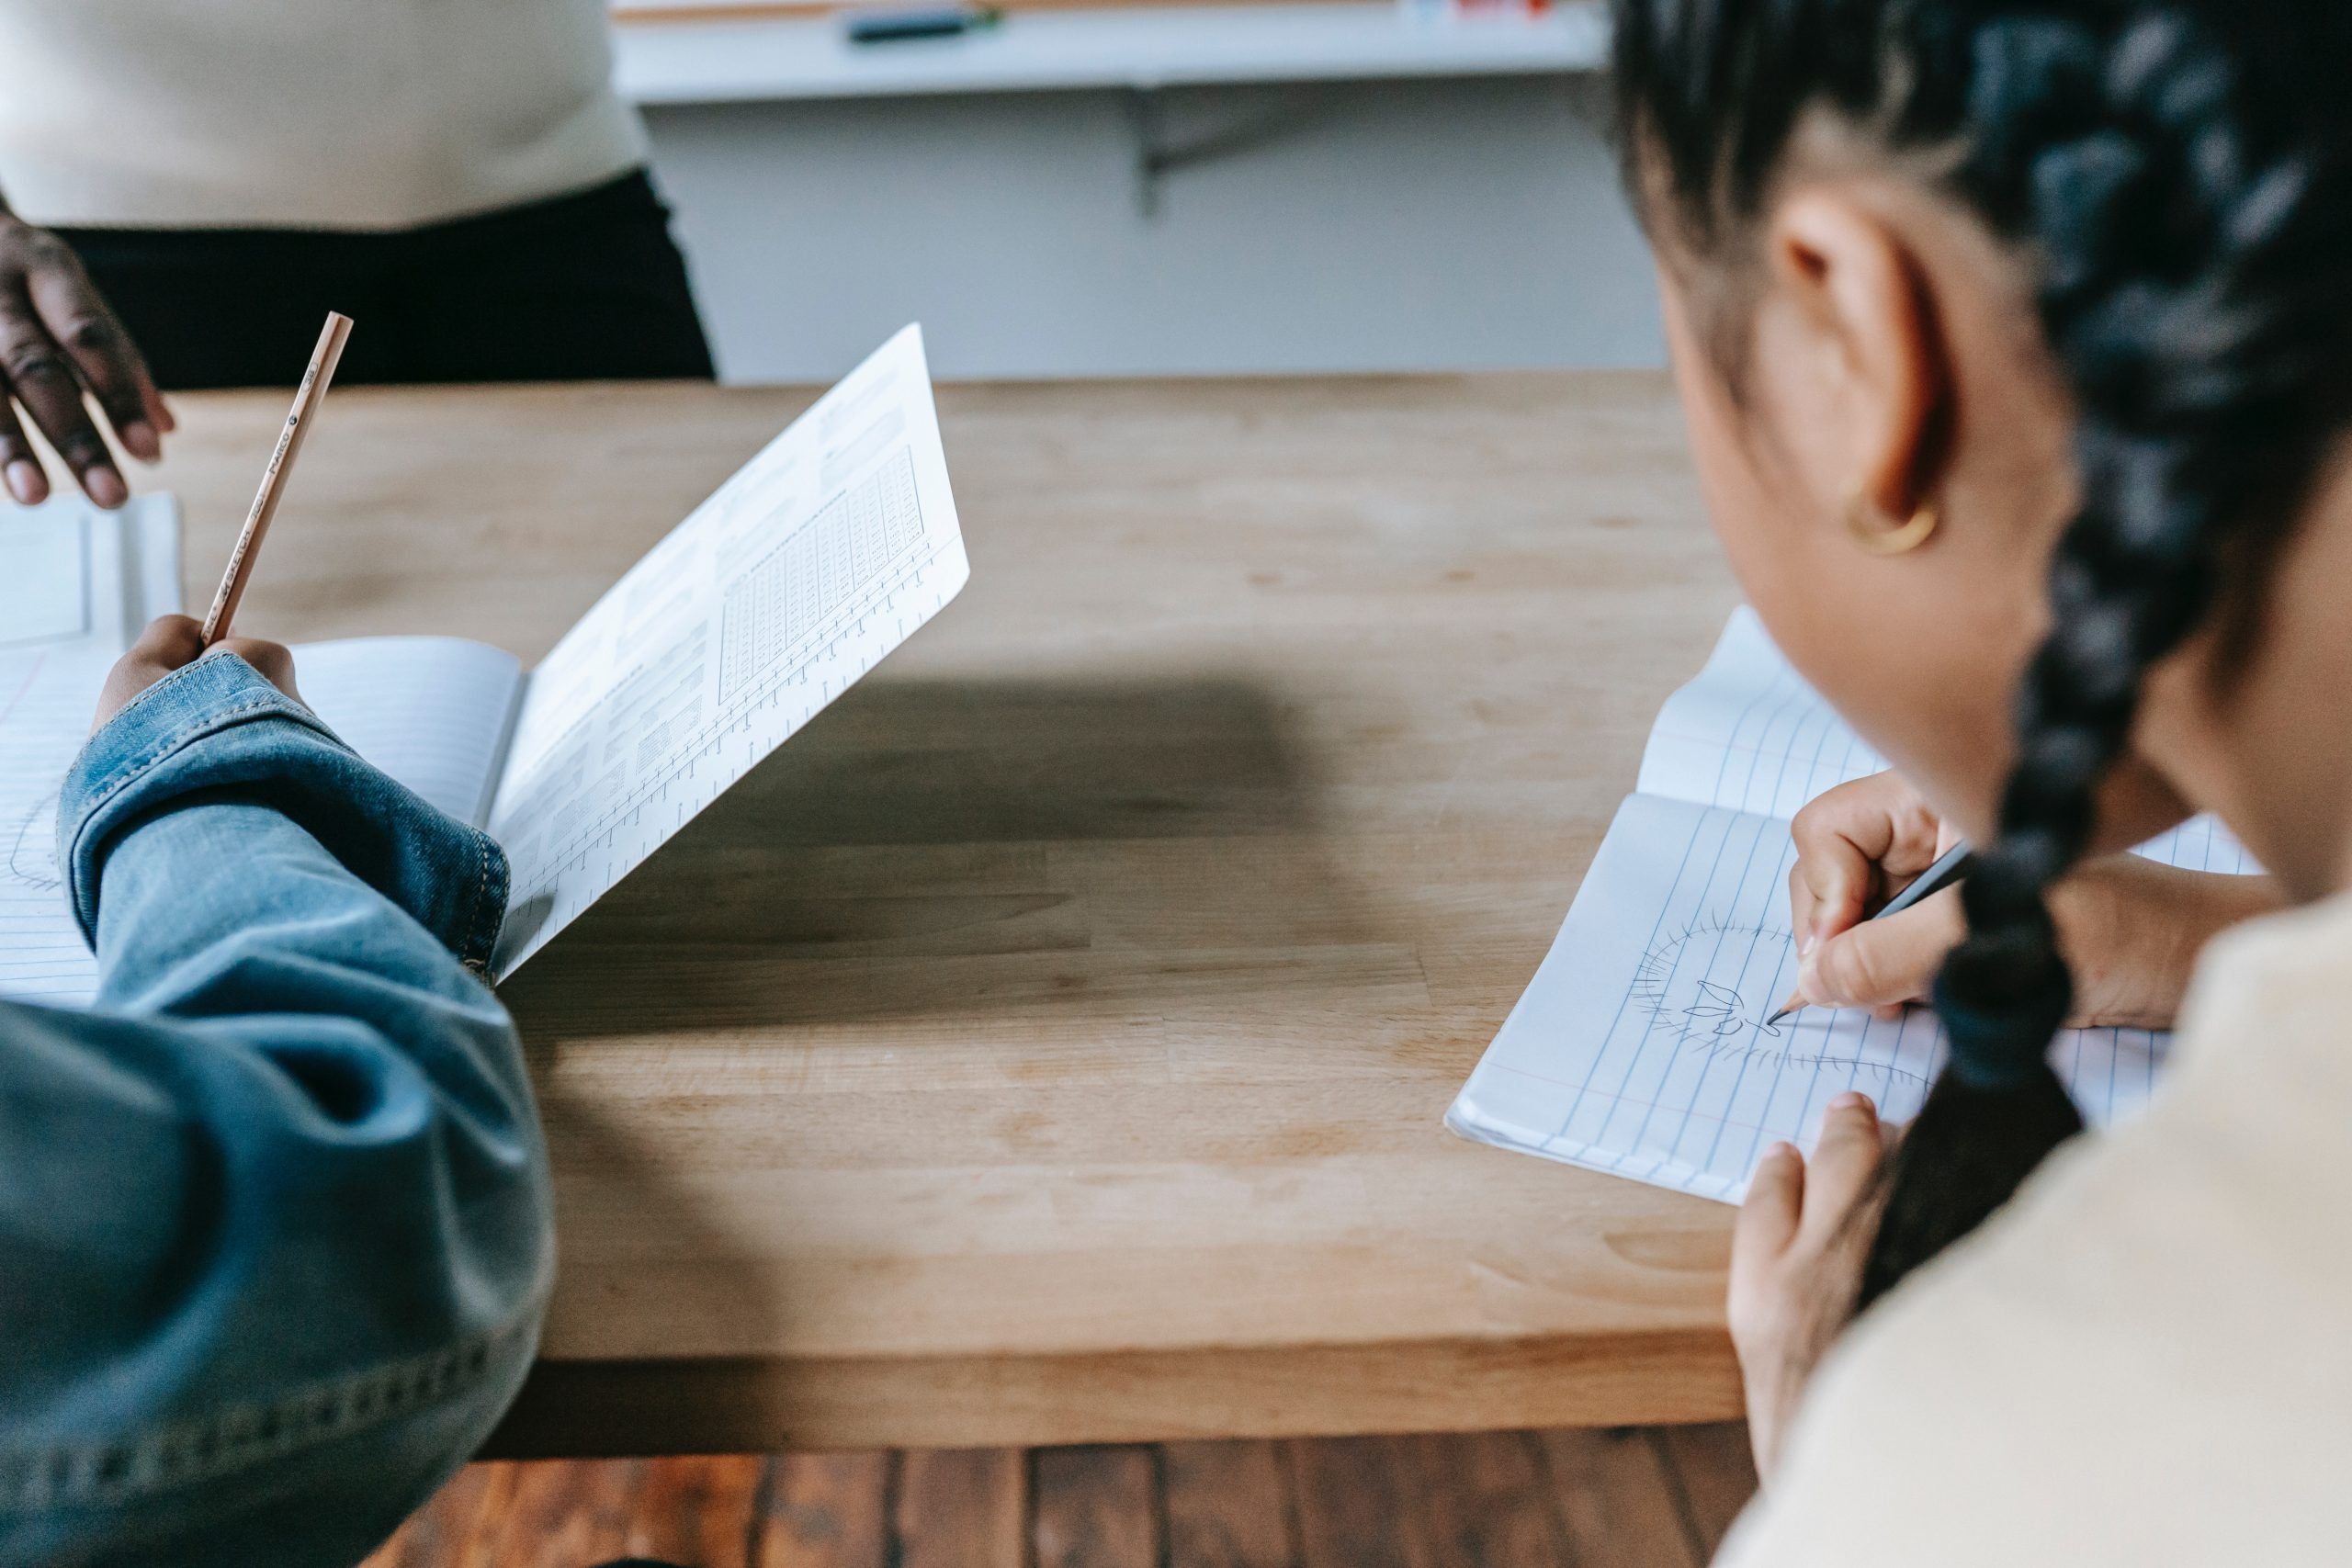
(1948, 868)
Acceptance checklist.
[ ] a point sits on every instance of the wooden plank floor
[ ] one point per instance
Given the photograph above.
(1654, 1497)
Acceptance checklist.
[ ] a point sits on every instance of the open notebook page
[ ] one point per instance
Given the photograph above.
(75, 585)
(47, 697)
(1640, 1048)
(796, 577)
(1749, 733)
(431, 711)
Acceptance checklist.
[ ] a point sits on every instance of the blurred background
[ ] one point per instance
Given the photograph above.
(1116, 187)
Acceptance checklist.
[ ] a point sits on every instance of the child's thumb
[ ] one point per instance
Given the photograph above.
(1883, 962)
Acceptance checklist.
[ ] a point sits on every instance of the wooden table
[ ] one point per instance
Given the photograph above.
(1050, 1044)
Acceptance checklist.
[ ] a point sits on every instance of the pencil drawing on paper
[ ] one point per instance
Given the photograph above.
(1692, 983)
(32, 844)
(1709, 987)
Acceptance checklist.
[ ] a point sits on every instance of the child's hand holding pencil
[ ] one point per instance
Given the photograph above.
(173, 642)
(2131, 928)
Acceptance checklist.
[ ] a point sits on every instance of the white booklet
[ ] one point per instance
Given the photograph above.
(822, 553)
(1640, 1048)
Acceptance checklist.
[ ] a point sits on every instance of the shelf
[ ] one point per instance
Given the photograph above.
(715, 62)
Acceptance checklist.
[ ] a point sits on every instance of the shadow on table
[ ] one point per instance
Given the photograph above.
(970, 848)
(624, 1366)
(934, 882)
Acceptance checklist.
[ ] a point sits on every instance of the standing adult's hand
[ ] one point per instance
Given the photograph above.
(58, 339)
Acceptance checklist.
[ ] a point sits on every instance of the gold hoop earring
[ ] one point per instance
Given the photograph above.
(1901, 539)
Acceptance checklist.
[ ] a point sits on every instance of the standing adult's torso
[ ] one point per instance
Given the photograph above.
(336, 113)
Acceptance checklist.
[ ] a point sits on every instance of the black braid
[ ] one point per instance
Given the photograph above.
(2180, 174)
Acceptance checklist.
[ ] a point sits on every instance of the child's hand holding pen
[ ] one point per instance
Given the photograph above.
(2130, 928)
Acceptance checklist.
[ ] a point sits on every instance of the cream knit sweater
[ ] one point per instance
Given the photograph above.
(329, 114)
(2146, 1359)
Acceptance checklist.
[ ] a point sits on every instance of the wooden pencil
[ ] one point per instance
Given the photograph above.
(298, 419)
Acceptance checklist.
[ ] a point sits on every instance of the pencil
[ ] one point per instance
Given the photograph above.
(1950, 867)
(273, 479)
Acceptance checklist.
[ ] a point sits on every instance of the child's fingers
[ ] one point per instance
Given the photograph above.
(1803, 909)
(273, 662)
(1851, 1146)
(170, 641)
(1769, 1215)
(1830, 883)
(1883, 964)
(1852, 841)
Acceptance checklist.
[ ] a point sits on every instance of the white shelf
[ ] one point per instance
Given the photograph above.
(780, 58)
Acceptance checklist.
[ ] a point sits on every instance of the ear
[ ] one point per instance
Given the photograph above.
(1861, 292)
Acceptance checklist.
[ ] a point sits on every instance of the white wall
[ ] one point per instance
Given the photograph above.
(1414, 226)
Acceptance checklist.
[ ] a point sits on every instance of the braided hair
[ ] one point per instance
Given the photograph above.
(2178, 173)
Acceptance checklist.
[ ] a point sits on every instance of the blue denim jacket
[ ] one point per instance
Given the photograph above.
(275, 1235)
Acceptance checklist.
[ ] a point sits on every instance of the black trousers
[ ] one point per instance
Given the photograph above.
(588, 287)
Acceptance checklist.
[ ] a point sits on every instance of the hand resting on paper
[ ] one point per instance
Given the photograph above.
(2130, 928)
(1796, 1262)
(58, 339)
(174, 642)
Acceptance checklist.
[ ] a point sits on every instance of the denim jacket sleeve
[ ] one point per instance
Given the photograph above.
(275, 1232)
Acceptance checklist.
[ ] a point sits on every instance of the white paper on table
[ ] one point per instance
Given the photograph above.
(76, 584)
(822, 553)
(1640, 1048)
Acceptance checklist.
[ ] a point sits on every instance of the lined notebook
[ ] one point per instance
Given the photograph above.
(1640, 1047)
(75, 585)
(796, 576)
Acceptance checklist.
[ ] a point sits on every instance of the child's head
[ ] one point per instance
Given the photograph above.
(2071, 282)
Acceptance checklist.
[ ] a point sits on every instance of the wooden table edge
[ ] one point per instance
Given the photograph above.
(742, 1404)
